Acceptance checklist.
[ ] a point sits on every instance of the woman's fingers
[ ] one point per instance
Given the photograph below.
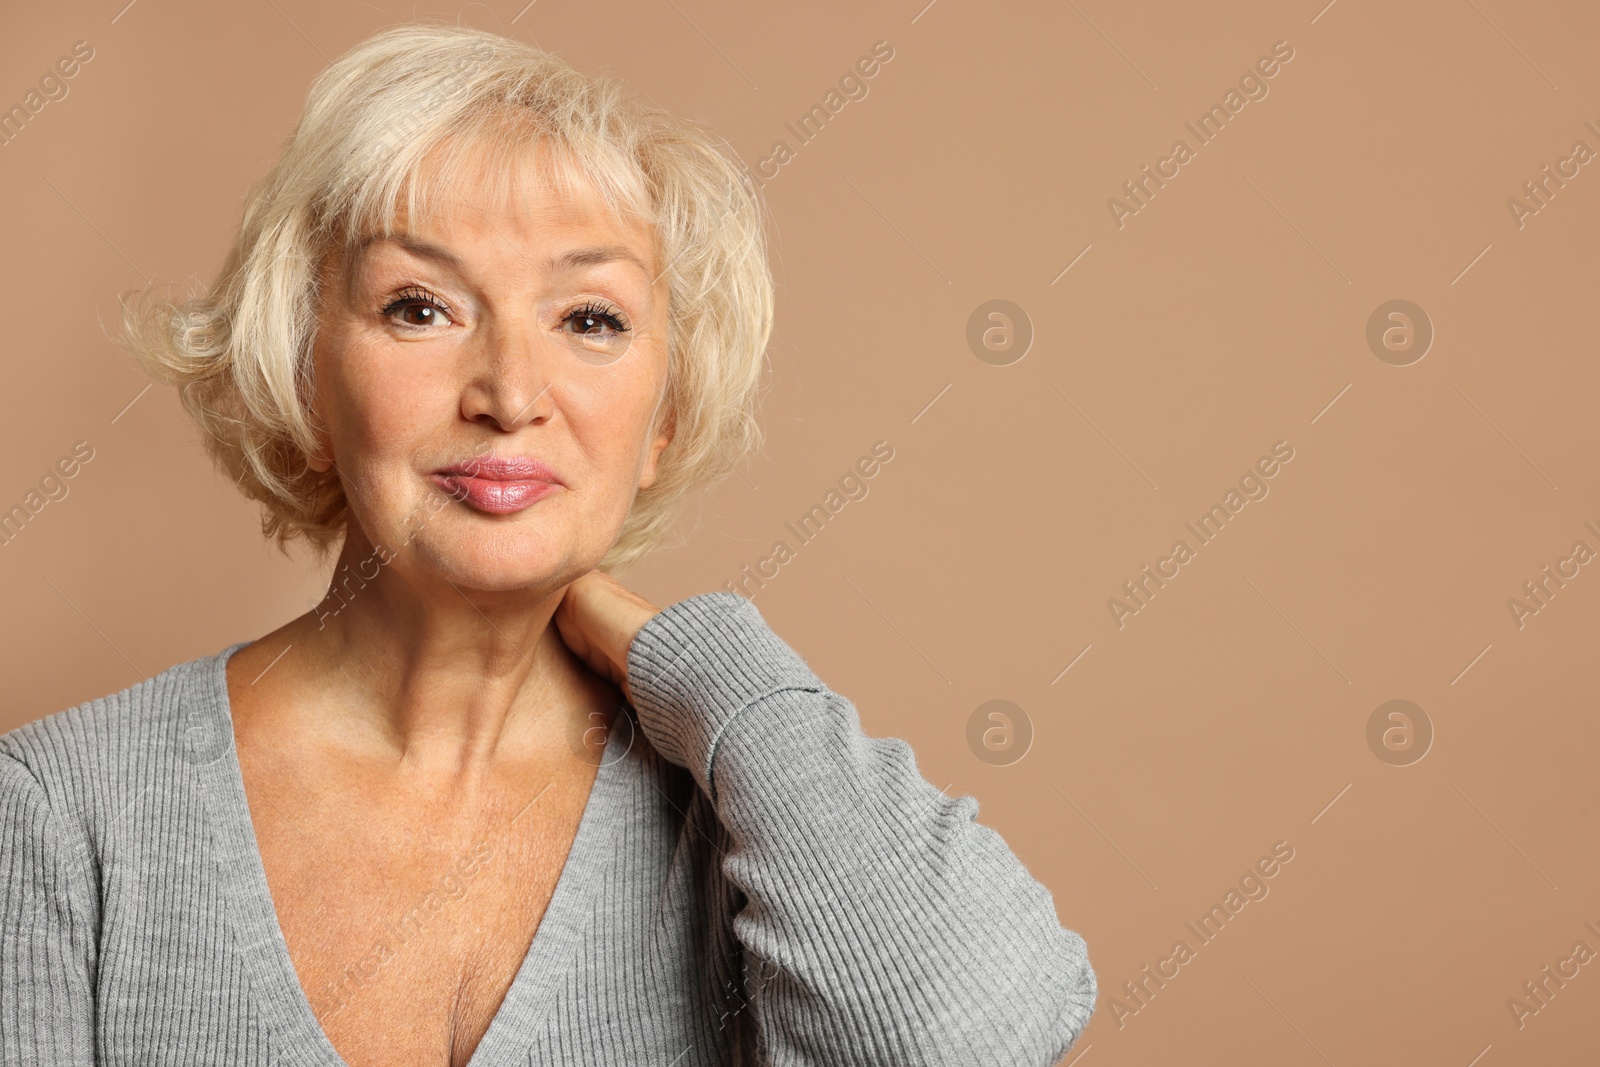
(598, 618)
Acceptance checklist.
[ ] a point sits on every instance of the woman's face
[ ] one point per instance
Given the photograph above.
(489, 386)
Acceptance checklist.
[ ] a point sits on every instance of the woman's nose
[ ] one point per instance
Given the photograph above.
(509, 377)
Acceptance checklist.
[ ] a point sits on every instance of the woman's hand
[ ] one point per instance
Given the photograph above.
(598, 618)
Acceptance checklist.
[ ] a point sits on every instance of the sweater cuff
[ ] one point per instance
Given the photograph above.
(693, 667)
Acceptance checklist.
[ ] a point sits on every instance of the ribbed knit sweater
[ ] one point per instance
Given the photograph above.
(754, 881)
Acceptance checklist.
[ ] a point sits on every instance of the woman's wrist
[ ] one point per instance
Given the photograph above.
(696, 665)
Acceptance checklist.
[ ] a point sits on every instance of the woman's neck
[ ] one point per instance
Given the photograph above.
(444, 681)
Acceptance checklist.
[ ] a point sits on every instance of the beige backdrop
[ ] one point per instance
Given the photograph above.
(1149, 758)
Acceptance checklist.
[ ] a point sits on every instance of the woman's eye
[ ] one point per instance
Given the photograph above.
(597, 333)
(595, 321)
(419, 314)
(416, 309)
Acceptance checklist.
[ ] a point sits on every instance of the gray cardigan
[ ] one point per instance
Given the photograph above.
(754, 881)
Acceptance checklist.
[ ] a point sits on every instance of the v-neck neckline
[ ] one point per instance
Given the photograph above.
(209, 745)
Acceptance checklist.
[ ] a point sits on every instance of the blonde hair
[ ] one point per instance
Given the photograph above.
(240, 355)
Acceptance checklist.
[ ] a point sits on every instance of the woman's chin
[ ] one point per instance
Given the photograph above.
(501, 564)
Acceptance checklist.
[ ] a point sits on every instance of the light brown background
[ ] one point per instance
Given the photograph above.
(1224, 317)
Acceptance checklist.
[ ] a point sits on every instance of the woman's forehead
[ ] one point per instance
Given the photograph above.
(508, 171)
(524, 190)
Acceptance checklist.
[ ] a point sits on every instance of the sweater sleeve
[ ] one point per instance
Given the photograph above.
(887, 925)
(46, 986)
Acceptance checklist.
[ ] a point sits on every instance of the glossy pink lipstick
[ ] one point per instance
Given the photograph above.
(498, 485)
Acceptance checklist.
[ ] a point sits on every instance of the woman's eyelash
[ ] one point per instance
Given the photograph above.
(592, 309)
(413, 295)
(595, 310)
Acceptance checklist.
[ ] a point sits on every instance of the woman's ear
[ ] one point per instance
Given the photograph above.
(320, 458)
(652, 458)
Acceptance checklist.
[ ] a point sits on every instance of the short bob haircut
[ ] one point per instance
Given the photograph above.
(240, 355)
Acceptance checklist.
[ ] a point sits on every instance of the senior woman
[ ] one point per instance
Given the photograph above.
(486, 321)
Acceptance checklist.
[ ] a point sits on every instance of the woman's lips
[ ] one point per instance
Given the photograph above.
(496, 495)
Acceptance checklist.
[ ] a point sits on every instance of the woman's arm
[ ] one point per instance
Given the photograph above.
(894, 927)
(46, 946)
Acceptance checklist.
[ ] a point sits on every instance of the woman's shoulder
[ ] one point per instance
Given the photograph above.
(83, 756)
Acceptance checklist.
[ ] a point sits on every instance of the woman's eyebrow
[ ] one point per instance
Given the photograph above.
(589, 257)
(569, 260)
(417, 247)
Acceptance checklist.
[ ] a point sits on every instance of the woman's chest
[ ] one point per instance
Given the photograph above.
(407, 923)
